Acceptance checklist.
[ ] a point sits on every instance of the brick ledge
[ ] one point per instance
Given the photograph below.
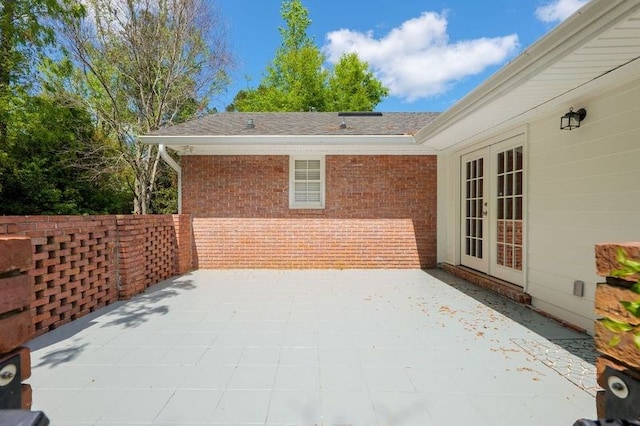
(496, 285)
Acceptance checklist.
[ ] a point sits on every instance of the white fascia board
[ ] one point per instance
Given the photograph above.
(594, 18)
(290, 145)
(299, 149)
(288, 140)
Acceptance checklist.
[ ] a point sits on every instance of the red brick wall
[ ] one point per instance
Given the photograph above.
(16, 328)
(184, 241)
(380, 212)
(73, 265)
(83, 263)
(147, 250)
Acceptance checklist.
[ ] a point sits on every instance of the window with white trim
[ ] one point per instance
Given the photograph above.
(306, 182)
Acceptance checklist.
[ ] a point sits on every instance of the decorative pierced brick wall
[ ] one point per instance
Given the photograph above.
(73, 265)
(380, 212)
(16, 328)
(83, 263)
(621, 360)
(147, 250)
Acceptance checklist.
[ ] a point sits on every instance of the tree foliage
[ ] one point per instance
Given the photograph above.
(141, 65)
(353, 87)
(47, 165)
(296, 79)
(25, 30)
(47, 150)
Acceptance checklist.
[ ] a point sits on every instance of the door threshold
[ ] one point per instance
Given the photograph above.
(496, 285)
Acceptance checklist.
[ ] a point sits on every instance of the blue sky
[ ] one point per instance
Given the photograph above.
(430, 53)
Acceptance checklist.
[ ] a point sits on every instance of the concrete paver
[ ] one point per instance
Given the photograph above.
(362, 347)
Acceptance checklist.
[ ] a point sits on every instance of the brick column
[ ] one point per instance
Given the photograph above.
(619, 361)
(16, 290)
(184, 240)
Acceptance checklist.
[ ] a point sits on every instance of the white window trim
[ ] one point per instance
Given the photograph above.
(306, 205)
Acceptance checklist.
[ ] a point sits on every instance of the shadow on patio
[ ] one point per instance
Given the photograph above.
(121, 314)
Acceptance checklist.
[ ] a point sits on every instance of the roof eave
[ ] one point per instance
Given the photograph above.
(292, 145)
(589, 21)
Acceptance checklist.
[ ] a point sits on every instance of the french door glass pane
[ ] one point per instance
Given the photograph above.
(474, 181)
(509, 217)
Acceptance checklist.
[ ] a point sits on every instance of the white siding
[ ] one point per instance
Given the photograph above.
(584, 188)
(448, 210)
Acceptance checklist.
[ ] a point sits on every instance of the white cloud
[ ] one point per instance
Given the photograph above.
(416, 59)
(558, 10)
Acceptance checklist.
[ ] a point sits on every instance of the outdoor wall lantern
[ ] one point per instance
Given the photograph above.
(572, 119)
(250, 124)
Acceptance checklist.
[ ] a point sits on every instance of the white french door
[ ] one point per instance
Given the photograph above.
(474, 210)
(492, 210)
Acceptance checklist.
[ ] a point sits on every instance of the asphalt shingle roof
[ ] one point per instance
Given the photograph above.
(301, 123)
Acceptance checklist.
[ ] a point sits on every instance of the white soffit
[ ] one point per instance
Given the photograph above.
(601, 37)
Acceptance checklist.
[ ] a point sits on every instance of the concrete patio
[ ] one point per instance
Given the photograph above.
(361, 347)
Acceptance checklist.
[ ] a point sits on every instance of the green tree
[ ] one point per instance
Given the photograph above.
(296, 79)
(142, 65)
(25, 30)
(46, 149)
(352, 87)
(49, 164)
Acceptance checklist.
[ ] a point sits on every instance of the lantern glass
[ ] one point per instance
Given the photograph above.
(571, 120)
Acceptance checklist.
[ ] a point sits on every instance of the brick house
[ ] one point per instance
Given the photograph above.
(307, 190)
(513, 198)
